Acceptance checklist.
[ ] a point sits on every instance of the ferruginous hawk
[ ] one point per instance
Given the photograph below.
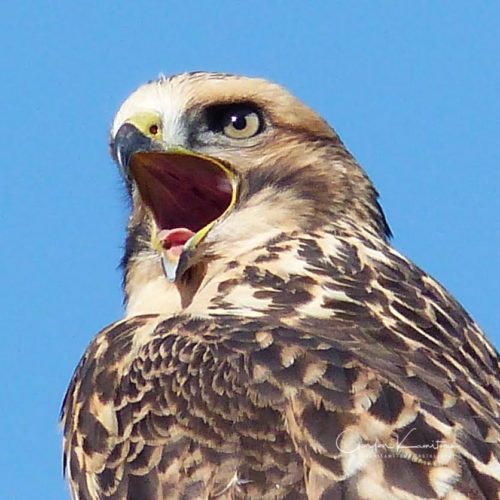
(274, 344)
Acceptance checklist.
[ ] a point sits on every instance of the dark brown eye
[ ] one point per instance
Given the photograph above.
(153, 129)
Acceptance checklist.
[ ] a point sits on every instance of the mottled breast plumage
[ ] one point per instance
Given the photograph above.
(285, 349)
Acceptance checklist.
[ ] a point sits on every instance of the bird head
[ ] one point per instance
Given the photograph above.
(217, 164)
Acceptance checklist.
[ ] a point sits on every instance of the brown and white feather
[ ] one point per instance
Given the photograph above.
(313, 361)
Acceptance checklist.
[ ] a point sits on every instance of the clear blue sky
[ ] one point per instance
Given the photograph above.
(412, 88)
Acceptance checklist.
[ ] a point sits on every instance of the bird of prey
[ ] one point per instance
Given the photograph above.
(274, 344)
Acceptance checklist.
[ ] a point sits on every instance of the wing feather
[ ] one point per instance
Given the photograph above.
(393, 393)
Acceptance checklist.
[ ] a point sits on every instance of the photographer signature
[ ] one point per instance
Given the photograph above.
(351, 447)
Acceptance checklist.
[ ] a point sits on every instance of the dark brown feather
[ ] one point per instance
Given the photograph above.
(262, 405)
(309, 359)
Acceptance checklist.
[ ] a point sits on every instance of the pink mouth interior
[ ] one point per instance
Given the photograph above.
(174, 240)
(185, 193)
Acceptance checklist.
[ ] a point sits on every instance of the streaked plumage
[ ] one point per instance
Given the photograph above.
(296, 354)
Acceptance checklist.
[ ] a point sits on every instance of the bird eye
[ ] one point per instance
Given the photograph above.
(154, 129)
(240, 123)
(235, 120)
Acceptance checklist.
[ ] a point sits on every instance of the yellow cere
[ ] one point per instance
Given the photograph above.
(148, 122)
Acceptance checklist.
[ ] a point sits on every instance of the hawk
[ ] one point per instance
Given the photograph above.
(274, 344)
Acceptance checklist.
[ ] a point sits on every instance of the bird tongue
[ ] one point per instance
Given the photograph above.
(173, 240)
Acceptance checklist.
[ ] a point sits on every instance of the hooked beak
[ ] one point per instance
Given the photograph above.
(186, 193)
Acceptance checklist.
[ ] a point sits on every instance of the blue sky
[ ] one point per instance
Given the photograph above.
(411, 87)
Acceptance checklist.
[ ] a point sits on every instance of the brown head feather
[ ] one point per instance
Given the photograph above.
(309, 359)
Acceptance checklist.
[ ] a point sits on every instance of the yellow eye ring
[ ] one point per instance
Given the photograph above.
(241, 124)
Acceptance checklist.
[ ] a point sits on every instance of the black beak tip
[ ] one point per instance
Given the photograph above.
(127, 141)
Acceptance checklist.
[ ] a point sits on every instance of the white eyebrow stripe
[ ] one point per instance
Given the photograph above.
(161, 97)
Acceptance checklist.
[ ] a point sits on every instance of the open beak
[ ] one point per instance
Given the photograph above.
(185, 192)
